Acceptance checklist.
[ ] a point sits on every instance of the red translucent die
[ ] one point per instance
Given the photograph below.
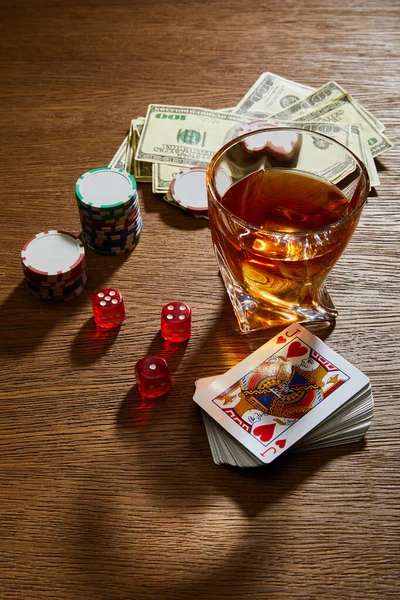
(108, 308)
(152, 376)
(176, 322)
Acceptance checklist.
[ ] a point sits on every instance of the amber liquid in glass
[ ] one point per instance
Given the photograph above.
(285, 201)
(274, 259)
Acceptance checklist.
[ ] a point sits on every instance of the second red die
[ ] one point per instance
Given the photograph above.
(176, 322)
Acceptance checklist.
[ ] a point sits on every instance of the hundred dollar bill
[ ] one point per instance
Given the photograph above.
(350, 136)
(324, 95)
(358, 144)
(345, 111)
(330, 162)
(140, 170)
(185, 135)
(119, 158)
(163, 174)
(378, 124)
(270, 94)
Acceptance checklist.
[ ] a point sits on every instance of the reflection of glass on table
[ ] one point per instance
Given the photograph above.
(283, 205)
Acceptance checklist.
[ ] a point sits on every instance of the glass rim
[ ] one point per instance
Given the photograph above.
(211, 188)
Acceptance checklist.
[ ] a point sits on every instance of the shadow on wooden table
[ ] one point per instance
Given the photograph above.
(236, 519)
(173, 439)
(172, 215)
(168, 458)
(172, 352)
(180, 479)
(225, 345)
(91, 343)
(253, 491)
(186, 465)
(26, 320)
(167, 445)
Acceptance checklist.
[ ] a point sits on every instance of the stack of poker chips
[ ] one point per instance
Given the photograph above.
(54, 265)
(109, 210)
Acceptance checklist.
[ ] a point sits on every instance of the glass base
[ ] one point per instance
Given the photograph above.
(253, 316)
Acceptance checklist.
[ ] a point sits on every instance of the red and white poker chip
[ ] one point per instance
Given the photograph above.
(188, 188)
(53, 256)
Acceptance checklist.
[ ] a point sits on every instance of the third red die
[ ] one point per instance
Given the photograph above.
(153, 377)
(108, 308)
(176, 322)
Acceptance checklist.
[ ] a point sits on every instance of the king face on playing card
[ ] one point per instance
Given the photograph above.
(278, 394)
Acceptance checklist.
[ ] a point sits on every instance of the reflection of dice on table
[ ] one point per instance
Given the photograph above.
(152, 376)
(176, 322)
(108, 308)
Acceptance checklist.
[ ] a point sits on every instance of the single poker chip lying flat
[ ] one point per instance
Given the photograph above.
(53, 255)
(188, 188)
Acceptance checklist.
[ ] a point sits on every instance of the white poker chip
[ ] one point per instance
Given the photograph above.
(53, 254)
(105, 188)
(188, 188)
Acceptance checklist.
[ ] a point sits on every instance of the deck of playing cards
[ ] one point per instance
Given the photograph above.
(293, 392)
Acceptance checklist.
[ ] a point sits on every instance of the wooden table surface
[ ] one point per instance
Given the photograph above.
(107, 496)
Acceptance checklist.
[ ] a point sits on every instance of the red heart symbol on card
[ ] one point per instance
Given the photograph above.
(265, 432)
(281, 443)
(296, 349)
(281, 340)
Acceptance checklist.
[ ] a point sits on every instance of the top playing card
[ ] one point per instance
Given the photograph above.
(278, 394)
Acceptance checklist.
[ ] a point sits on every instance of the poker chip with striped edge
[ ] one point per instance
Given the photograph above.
(109, 210)
(54, 265)
(188, 189)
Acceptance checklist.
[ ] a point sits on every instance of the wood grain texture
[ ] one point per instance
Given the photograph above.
(104, 496)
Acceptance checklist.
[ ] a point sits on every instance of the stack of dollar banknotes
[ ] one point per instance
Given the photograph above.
(171, 138)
